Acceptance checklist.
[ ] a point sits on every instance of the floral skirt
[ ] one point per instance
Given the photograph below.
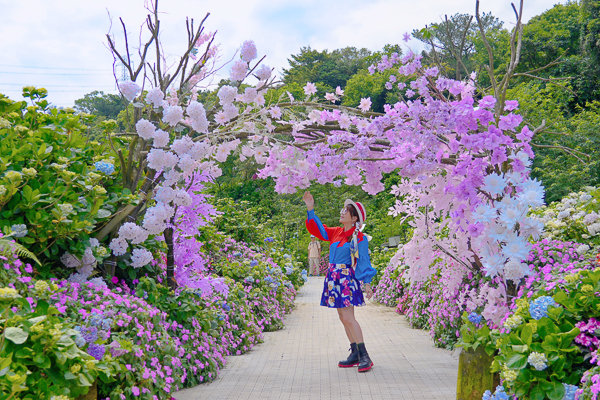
(341, 288)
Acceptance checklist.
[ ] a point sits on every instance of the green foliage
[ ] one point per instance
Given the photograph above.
(549, 35)
(472, 336)
(379, 260)
(560, 171)
(48, 181)
(241, 220)
(38, 355)
(103, 107)
(100, 104)
(363, 85)
(330, 69)
(552, 335)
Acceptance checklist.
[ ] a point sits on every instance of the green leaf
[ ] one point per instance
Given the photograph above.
(526, 334)
(24, 352)
(35, 320)
(560, 297)
(103, 213)
(557, 392)
(83, 380)
(537, 393)
(69, 375)
(16, 335)
(517, 361)
(42, 361)
(520, 348)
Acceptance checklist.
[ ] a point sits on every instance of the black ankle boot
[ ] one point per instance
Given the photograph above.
(352, 358)
(365, 362)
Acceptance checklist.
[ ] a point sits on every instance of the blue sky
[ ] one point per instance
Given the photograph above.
(60, 44)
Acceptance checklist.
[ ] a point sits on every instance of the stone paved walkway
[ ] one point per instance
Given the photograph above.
(300, 361)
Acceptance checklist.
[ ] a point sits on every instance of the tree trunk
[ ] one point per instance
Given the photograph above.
(474, 375)
(168, 234)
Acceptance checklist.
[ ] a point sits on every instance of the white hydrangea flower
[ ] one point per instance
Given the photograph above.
(140, 257)
(118, 246)
(537, 360)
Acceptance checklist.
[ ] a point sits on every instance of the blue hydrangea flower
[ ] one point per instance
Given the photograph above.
(95, 319)
(19, 230)
(79, 341)
(253, 263)
(221, 317)
(499, 394)
(539, 307)
(237, 254)
(289, 270)
(104, 167)
(569, 392)
(268, 279)
(269, 240)
(226, 307)
(475, 318)
(96, 350)
(89, 333)
(287, 256)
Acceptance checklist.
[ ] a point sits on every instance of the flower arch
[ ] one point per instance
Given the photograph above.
(464, 158)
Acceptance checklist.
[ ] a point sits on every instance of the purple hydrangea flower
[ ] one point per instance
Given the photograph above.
(96, 350)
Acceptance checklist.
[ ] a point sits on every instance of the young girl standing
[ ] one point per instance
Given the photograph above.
(349, 265)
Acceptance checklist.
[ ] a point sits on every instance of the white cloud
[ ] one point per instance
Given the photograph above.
(65, 39)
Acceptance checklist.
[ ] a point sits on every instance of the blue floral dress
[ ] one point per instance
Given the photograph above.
(342, 282)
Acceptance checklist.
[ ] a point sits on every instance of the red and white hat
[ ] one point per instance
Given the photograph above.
(362, 213)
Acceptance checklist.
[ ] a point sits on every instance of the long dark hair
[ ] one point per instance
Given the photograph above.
(353, 211)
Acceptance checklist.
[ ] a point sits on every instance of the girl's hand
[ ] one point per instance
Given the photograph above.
(308, 200)
(369, 291)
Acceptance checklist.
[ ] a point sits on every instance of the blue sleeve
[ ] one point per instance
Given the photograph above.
(315, 227)
(364, 271)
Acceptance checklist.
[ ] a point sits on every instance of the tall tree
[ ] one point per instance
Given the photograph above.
(452, 42)
(328, 68)
(101, 104)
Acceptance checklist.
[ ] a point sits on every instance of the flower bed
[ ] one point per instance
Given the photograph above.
(145, 342)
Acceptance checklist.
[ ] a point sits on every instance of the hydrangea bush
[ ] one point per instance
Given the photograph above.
(148, 342)
(54, 184)
(540, 344)
(574, 218)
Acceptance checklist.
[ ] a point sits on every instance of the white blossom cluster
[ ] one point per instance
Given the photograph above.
(140, 257)
(238, 71)
(504, 223)
(537, 360)
(248, 51)
(513, 322)
(263, 73)
(129, 90)
(155, 97)
(574, 218)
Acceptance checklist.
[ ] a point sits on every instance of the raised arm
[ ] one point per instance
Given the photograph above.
(313, 223)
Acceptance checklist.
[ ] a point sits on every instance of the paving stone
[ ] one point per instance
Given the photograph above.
(300, 361)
